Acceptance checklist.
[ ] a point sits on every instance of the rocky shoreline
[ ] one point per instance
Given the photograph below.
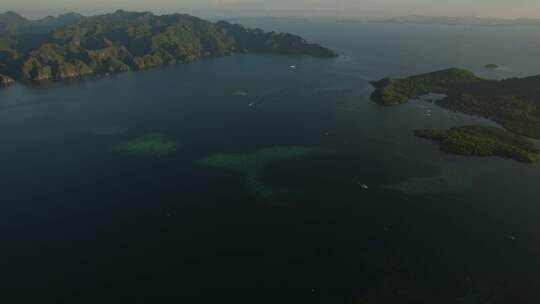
(6, 81)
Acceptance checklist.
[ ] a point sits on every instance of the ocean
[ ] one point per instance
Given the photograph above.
(269, 179)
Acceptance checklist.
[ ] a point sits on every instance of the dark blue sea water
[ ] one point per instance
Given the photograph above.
(240, 178)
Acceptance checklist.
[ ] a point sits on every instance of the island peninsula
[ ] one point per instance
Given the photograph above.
(513, 103)
(71, 45)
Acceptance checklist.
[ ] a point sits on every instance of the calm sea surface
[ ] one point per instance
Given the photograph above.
(241, 178)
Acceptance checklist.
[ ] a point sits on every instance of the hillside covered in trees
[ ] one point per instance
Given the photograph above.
(514, 103)
(71, 45)
(483, 141)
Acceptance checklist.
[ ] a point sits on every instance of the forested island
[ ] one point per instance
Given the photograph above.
(514, 103)
(72, 45)
(483, 141)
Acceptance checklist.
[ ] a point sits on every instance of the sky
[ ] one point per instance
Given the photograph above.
(340, 8)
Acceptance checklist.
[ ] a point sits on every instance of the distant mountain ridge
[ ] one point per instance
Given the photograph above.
(463, 20)
(10, 22)
(73, 46)
(13, 23)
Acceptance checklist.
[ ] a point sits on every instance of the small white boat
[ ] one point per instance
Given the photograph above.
(293, 67)
(251, 104)
(364, 186)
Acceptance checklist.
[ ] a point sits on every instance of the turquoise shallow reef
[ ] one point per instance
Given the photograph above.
(152, 144)
(451, 178)
(251, 166)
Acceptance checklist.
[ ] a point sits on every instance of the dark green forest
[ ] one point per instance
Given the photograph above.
(483, 141)
(73, 46)
(514, 103)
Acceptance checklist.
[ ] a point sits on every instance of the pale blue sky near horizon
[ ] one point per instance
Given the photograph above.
(345, 8)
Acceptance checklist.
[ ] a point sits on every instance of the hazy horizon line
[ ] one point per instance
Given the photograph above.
(257, 14)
